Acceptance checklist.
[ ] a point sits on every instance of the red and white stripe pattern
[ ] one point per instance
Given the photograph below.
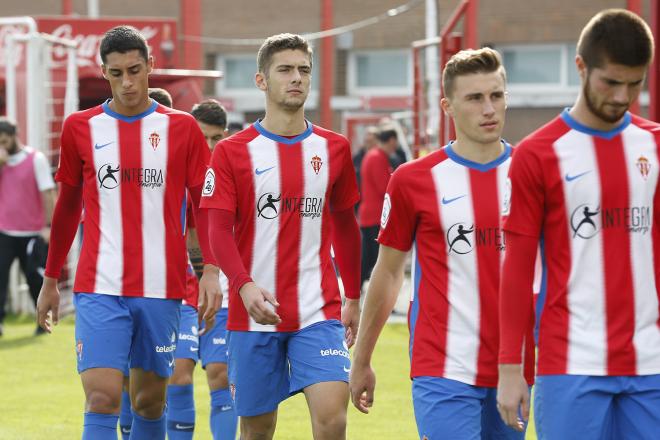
(135, 172)
(448, 210)
(601, 314)
(283, 201)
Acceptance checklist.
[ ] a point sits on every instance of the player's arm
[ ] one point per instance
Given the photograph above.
(210, 294)
(523, 224)
(194, 252)
(346, 245)
(515, 310)
(383, 290)
(229, 259)
(66, 217)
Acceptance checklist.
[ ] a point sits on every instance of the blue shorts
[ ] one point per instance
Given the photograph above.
(187, 347)
(267, 367)
(448, 409)
(213, 345)
(116, 331)
(597, 407)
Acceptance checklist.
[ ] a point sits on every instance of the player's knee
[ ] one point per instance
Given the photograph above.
(329, 422)
(216, 374)
(257, 428)
(103, 402)
(149, 405)
(182, 375)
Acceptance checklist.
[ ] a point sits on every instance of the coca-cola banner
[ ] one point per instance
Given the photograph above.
(160, 35)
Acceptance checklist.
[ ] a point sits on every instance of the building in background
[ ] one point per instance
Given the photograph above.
(372, 65)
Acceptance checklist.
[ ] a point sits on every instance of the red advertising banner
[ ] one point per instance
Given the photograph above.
(160, 34)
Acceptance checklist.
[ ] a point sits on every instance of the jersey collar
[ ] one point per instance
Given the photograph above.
(476, 165)
(575, 125)
(114, 114)
(281, 139)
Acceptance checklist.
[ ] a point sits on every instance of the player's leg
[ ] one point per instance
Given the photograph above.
(156, 322)
(7, 256)
(180, 400)
(125, 415)
(103, 337)
(369, 252)
(35, 255)
(574, 407)
(258, 380)
(446, 408)
(492, 425)
(213, 351)
(637, 409)
(320, 364)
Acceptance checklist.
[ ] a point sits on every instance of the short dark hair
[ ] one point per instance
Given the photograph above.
(235, 126)
(123, 39)
(161, 96)
(7, 126)
(468, 62)
(618, 36)
(278, 43)
(387, 134)
(210, 112)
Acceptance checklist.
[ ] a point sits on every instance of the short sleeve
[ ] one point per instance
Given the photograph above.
(344, 192)
(398, 220)
(219, 190)
(198, 156)
(42, 172)
(69, 170)
(523, 208)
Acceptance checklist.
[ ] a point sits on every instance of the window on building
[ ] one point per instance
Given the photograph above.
(239, 70)
(540, 66)
(380, 72)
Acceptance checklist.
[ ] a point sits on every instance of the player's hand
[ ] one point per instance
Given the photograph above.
(210, 297)
(350, 318)
(513, 393)
(361, 385)
(256, 300)
(48, 304)
(45, 234)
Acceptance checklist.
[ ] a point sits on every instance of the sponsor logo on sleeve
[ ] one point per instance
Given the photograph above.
(385, 214)
(209, 183)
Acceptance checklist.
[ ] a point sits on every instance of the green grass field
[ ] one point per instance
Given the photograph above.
(41, 396)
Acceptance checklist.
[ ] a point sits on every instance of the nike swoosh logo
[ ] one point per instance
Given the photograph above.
(259, 172)
(98, 147)
(346, 370)
(577, 176)
(177, 426)
(171, 363)
(225, 407)
(125, 431)
(194, 348)
(448, 201)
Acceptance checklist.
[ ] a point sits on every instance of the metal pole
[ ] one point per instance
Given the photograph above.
(327, 85)
(93, 8)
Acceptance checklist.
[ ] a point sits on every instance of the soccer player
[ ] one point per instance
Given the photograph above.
(131, 273)
(586, 186)
(446, 208)
(161, 96)
(375, 172)
(285, 189)
(211, 347)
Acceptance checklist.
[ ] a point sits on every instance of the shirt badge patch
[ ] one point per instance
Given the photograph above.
(209, 183)
(644, 166)
(316, 162)
(154, 140)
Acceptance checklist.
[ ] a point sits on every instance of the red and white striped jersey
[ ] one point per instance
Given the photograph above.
(448, 210)
(282, 190)
(593, 199)
(134, 171)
